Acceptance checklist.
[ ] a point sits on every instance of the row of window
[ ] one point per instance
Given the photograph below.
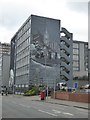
(75, 69)
(50, 55)
(24, 85)
(22, 70)
(23, 45)
(22, 62)
(23, 53)
(76, 45)
(76, 65)
(25, 27)
(23, 37)
(22, 77)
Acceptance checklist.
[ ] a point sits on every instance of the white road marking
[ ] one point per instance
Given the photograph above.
(67, 113)
(56, 111)
(80, 109)
(48, 113)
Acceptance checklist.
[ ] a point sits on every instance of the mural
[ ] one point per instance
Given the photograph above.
(45, 50)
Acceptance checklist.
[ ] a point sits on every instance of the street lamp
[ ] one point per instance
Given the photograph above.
(56, 76)
(45, 50)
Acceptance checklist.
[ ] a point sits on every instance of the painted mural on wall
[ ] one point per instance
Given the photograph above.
(45, 50)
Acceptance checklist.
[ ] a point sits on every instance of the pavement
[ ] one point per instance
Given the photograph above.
(61, 102)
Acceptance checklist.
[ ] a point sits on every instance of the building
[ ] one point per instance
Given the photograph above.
(89, 65)
(4, 64)
(35, 53)
(5, 48)
(66, 57)
(80, 62)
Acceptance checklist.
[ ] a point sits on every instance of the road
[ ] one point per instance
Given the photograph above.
(23, 107)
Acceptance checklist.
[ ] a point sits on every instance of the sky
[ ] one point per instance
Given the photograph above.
(72, 13)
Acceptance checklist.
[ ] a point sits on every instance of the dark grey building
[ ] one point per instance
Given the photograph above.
(37, 53)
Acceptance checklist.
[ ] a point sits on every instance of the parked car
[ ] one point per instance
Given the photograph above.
(85, 88)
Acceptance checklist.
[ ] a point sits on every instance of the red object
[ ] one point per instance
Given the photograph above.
(42, 95)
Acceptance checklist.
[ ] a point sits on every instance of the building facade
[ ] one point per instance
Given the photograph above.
(89, 65)
(80, 62)
(80, 58)
(4, 64)
(36, 53)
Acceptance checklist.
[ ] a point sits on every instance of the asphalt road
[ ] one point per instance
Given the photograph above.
(23, 107)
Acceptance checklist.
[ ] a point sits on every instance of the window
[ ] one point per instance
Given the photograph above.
(75, 57)
(75, 51)
(55, 55)
(75, 69)
(75, 45)
(75, 64)
(49, 55)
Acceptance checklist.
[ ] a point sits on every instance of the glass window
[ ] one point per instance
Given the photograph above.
(55, 55)
(75, 63)
(75, 45)
(75, 68)
(75, 57)
(49, 55)
(75, 51)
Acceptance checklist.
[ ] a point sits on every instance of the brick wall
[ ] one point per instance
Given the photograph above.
(76, 97)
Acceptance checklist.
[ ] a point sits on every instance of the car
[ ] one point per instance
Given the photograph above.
(4, 90)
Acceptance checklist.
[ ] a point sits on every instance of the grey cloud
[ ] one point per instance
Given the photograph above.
(78, 6)
(13, 15)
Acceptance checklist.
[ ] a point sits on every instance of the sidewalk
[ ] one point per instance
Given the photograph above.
(61, 102)
(68, 103)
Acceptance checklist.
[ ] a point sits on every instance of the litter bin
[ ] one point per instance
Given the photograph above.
(69, 89)
(42, 95)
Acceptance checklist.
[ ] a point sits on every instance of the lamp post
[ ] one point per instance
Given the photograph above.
(45, 50)
(56, 77)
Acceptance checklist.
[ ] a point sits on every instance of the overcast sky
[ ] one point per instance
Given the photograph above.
(72, 13)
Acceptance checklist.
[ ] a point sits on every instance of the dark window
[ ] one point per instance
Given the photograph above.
(55, 55)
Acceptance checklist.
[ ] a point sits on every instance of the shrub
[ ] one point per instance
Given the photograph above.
(33, 91)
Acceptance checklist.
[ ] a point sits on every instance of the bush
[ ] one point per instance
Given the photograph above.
(33, 91)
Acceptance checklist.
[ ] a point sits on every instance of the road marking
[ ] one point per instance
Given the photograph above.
(80, 109)
(67, 113)
(48, 113)
(56, 111)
